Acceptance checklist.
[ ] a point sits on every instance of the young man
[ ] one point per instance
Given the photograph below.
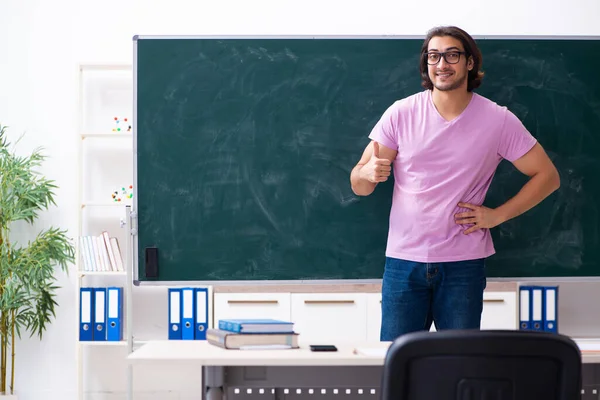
(444, 145)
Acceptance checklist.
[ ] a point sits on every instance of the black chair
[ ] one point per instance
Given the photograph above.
(482, 365)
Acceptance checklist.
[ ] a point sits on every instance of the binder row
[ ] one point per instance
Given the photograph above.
(188, 313)
(101, 313)
(538, 308)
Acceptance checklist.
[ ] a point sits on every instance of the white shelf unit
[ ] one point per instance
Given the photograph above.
(101, 273)
(105, 166)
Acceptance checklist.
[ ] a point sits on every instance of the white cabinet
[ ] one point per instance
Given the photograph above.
(499, 311)
(325, 317)
(373, 316)
(251, 305)
(321, 318)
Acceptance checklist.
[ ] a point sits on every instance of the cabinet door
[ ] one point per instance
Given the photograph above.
(499, 310)
(373, 316)
(330, 317)
(251, 305)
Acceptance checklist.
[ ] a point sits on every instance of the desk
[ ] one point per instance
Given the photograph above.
(230, 372)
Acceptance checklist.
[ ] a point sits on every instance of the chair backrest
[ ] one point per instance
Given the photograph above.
(477, 365)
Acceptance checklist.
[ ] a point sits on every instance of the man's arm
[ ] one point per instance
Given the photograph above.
(544, 180)
(373, 167)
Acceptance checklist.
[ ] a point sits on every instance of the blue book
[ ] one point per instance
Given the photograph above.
(256, 326)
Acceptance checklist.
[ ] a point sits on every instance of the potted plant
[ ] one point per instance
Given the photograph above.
(27, 272)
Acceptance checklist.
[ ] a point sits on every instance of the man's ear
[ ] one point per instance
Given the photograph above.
(470, 63)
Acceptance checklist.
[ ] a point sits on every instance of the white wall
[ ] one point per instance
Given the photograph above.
(41, 44)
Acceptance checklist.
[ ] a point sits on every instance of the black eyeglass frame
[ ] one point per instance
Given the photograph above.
(443, 54)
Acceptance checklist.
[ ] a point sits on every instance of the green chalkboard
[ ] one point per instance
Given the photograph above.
(244, 148)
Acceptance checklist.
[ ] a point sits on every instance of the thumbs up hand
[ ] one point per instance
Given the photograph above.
(376, 169)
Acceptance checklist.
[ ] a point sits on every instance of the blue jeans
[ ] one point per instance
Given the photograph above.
(415, 294)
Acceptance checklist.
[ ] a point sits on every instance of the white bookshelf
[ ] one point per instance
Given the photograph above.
(120, 343)
(106, 135)
(101, 273)
(105, 203)
(105, 167)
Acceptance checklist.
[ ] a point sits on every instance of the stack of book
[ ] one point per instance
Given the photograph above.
(248, 334)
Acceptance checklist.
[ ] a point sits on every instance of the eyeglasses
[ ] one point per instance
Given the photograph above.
(451, 57)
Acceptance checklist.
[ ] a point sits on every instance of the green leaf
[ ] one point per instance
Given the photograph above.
(27, 273)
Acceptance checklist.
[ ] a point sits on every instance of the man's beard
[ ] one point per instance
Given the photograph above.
(458, 83)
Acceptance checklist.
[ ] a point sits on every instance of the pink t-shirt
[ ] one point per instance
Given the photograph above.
(439, 164)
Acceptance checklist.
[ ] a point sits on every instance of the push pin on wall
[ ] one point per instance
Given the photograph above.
(121, 125)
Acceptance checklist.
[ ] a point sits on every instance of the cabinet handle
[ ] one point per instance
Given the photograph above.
(328, 301)
(252, 301)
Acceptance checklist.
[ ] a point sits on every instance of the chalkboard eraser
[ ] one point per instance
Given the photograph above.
(151, 262)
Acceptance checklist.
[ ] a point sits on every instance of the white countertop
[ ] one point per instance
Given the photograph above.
(202, 353)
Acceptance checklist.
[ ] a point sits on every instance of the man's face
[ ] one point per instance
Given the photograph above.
(450, 72)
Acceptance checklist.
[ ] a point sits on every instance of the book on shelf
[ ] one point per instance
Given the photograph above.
(101, 253)
(242, 341)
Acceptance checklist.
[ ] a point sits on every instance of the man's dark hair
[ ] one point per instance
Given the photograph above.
(475, 75)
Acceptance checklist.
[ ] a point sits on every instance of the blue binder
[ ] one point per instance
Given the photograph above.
(174, 314)
(187, 314)
(99, 314)
(201, 313)
(551, 309)
(537, 308)
(114, 314)
(86, 307)
(525, 308)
